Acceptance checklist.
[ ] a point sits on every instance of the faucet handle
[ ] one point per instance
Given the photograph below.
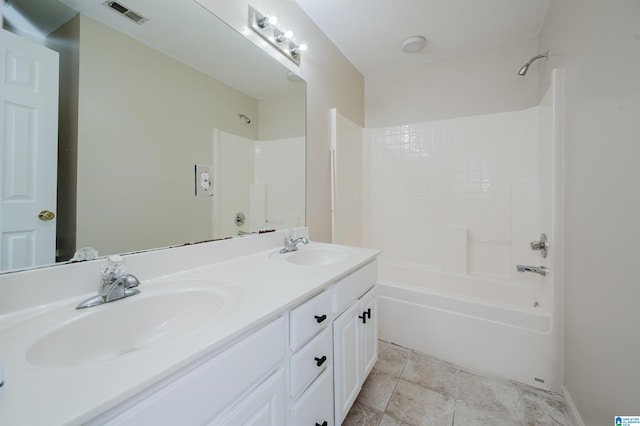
(289, 235)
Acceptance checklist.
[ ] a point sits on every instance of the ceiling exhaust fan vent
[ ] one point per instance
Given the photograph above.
(125, 11)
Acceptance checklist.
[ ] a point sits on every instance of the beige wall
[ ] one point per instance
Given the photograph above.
(598, 43)
(282, 117)
(331, 82)
(141, 132)
(477, 83)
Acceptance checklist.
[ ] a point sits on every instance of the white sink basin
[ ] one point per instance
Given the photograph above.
(318, 255)
(161, 312)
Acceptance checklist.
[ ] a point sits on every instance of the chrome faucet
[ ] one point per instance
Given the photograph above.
(536, 269)
(114, 285)
(290, 244)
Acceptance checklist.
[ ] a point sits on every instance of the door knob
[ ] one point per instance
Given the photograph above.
(46, 215)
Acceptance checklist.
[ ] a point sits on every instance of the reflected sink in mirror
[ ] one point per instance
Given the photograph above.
(315, 255)
(161, 313)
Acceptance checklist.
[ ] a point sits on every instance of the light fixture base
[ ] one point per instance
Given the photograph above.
(271, 33)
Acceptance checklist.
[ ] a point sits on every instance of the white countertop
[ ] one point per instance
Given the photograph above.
(262, 289)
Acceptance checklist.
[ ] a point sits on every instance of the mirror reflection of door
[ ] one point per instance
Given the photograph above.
(28, 154)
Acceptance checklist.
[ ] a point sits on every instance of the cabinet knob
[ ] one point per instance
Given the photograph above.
(323, 423)
(320, 361)
(320, 318)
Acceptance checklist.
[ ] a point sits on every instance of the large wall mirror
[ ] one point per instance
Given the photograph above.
(170, 128)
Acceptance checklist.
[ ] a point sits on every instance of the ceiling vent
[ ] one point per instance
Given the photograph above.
(125, 11)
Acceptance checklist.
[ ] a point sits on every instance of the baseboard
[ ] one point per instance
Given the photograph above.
(573, 412)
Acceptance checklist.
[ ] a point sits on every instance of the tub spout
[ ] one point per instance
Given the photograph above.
(537, 269)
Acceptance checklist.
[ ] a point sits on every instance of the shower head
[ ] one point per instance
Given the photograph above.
(525, 67)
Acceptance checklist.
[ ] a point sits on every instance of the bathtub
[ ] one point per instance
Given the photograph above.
(490, 325)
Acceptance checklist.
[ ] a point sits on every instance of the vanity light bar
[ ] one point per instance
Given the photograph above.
(266, 26)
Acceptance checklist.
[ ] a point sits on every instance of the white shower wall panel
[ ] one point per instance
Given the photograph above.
(278, 166)
(424, 179)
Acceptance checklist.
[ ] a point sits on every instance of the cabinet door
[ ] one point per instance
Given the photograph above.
(369, 333)
(265, 406)
(206, 390)
(315, 406)
(346, 358)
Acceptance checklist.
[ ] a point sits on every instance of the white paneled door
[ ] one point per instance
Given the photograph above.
(28, 154)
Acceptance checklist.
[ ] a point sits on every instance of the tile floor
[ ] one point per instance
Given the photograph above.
(410, 388)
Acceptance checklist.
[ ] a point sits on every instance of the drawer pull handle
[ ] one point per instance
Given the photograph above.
(320, 361)
(320, 318)
(323, 423)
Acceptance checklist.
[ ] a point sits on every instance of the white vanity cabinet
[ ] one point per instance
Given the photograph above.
(304, 368)
(355, 334)
(245, 384)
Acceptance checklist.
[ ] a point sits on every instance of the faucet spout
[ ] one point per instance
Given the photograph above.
(123, 286)
(292, 245)
(535, 269)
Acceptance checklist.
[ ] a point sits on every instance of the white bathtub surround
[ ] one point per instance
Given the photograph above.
(260, 289)
(442, 191)
(264, 179)
(453, 205)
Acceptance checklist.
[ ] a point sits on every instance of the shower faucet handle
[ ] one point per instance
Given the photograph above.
(541, 245)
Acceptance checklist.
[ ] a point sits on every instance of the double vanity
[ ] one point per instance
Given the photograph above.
(228, 332)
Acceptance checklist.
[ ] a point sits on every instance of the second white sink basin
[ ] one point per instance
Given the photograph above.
(160, 313)
(316, 255)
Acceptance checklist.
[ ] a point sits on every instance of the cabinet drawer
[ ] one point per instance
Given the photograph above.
(309, 318)
(310, 361)
(351, 287)
(315, 406)
(197, 395)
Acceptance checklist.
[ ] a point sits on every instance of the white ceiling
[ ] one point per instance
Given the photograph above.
(370, 32)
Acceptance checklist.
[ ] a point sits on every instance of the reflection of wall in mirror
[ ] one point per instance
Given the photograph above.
(144, 120)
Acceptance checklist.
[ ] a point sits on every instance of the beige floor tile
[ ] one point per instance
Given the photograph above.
(387, 420)
(543, 409)
(490, 394)
(361, 415)
(416, 405)
(431, 373)
(391, 358)
(377, 389)
(473, 415)
(417, 389)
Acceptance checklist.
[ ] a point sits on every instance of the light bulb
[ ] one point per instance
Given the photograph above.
(265, 21)
(284, 35)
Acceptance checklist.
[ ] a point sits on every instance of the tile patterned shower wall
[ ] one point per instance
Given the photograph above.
(428, 184)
